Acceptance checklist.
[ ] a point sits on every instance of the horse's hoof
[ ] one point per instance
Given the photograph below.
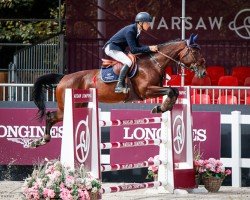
(156, 109)
(39, 142)
(47, 137)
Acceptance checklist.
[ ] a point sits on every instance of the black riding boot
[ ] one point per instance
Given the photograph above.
(120, 85)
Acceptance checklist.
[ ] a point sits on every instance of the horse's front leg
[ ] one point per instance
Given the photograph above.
(168, 103)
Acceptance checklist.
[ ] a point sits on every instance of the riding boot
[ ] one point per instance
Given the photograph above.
(120, 85)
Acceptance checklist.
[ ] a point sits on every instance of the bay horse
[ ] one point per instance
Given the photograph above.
(147, 82)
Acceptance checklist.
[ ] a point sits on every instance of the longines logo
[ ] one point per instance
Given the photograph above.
(241, 27)
(25, 135)
(82, 140)
(179, 133)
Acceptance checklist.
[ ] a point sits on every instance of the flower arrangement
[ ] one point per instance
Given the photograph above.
(152, 170)
(197, 156)
(211, 168)
(53, 180)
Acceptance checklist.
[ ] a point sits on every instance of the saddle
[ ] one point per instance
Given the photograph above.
(110, 69)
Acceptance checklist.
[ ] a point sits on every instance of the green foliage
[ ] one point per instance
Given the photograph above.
(27, 31)
(15, 3)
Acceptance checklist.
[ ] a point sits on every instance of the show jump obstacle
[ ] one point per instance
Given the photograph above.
(81, 141)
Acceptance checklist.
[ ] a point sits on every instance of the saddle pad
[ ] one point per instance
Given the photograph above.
(108, 75)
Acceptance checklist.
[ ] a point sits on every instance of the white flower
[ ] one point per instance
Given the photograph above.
(39, 182)
(88, 183)
(69, 181)
(94, 189)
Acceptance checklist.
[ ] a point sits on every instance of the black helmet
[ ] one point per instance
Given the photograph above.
(143, 17)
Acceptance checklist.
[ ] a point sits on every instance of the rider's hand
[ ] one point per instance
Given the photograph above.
(153, 48)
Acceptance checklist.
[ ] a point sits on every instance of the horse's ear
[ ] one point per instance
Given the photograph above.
(191, 39)
(195, 38)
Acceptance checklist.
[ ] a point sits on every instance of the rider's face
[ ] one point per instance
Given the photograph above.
(146, 25)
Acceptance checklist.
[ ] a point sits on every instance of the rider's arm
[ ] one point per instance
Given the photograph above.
(134, 47)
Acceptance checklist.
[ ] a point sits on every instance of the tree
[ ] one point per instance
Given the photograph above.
(33, 20)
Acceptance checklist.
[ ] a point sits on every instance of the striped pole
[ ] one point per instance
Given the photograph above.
(137, 143)
(153, 120)
(114, 167)
(132, 186)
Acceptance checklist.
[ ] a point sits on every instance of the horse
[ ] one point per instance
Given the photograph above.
(147, 82)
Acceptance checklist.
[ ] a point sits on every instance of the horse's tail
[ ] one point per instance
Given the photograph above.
(42, 83)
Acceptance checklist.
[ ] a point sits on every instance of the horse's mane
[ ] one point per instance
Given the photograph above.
(194, 45)
(170, 42)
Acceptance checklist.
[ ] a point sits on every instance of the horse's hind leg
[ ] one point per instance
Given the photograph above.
(51, 119)
(168, 103)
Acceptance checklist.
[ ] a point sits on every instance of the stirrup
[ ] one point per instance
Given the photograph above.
(124, 90)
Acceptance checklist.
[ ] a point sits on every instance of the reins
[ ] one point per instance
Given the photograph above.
(179, 63)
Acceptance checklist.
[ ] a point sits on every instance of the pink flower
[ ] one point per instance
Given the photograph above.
(65, 194)
(83, 195)
(69, 181)
(228, 172)
(154, 169)
(48, 193)
(50, 169)
(32, 193)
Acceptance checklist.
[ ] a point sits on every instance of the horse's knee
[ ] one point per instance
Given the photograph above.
(48, 116)
(175, 91)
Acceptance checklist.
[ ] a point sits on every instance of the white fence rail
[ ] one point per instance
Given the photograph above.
(21, 92)
(231, 95)
(236, 162)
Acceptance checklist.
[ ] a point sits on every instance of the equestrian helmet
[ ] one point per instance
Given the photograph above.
(143, 17)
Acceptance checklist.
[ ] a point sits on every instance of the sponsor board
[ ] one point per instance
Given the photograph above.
(18, 128)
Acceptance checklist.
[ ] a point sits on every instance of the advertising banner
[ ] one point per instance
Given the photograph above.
(206, 136)
(18, 128)
(131, 133)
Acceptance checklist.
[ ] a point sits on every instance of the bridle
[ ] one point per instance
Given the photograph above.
(181, 56)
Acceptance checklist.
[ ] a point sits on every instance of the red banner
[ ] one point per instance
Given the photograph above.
(132, 133)
(205, 136)
(18, 128)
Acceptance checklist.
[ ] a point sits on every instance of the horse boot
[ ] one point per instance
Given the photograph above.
(120, 85)
(166, 106)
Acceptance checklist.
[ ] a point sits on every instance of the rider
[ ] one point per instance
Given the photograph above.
(128, 37)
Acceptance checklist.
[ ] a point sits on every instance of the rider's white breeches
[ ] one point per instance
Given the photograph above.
(118, 55)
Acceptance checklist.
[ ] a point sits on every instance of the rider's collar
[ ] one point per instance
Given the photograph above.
(138, 32)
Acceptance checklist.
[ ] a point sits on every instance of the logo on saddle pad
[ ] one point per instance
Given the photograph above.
(110, 69)
(111, 73)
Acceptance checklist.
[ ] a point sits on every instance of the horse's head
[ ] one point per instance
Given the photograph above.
(192, 57)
